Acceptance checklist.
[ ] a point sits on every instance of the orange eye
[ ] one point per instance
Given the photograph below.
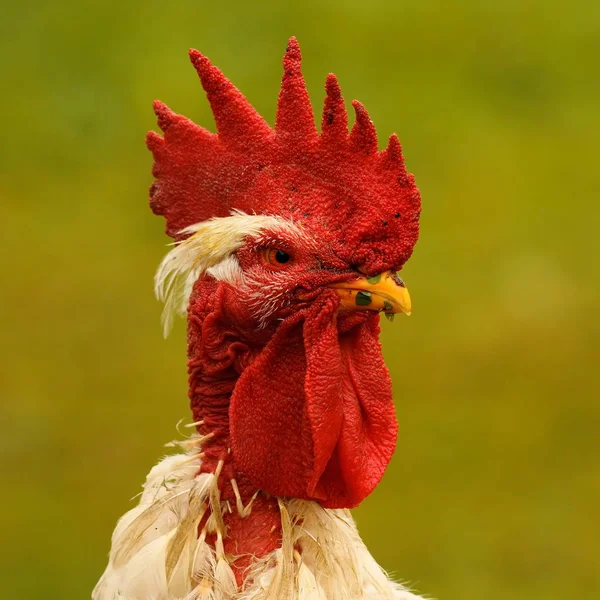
(275, 257)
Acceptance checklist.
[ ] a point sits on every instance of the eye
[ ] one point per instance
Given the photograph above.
(275, 257)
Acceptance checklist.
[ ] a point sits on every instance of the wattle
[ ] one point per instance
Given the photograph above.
(312, 416)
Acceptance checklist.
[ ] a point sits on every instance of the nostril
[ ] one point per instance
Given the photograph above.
(398, 280)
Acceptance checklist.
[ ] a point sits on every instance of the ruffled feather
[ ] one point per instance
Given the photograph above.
(157, 553)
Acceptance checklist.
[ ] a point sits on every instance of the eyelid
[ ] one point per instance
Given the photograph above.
(278, 243)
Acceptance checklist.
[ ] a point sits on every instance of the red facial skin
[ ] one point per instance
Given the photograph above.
(298, 401)
(296, 395)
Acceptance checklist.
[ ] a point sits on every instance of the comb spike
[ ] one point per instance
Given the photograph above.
(334, 124)
(364, 198)
(391, 157)
(164, 115)
(363, 136)
(235, 117)
(294, 112)
(155, 142)
(394, 149)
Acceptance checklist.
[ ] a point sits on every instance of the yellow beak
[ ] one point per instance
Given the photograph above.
(385, 292)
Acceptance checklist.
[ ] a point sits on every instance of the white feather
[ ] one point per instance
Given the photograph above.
(203, 563)
(307, 586)
(211, 245)
(143, 578)
(225, 583)
(157, 553)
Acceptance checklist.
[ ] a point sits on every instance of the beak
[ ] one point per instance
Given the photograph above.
(385, 292)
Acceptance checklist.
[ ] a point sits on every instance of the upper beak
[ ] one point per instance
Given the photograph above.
(385, 292)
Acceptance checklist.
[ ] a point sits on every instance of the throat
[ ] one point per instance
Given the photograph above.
(250, 518)
(217, 355)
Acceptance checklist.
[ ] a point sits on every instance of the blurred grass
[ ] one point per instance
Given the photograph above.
(495, 488)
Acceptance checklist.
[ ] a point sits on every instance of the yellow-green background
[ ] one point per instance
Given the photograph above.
(494, 492)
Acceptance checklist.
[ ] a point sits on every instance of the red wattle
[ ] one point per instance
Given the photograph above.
(312, 416)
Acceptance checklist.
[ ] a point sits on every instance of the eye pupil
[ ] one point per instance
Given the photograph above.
(275, 257)
(282, 257)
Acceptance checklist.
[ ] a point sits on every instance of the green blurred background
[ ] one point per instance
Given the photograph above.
(494, 491)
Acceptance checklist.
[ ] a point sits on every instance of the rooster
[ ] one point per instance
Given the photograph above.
(287, 248)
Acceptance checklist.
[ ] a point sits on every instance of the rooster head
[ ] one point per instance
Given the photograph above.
(287, 247)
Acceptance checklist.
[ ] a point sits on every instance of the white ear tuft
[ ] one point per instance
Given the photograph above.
(210, 247)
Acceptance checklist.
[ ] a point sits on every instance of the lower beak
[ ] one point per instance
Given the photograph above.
(383, 293)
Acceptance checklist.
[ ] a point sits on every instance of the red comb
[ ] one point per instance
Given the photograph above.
(363, 198)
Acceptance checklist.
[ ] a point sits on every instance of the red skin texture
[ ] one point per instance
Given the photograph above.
(301, 407)
(312, 417)
(304, 412)
(249, 537)
(363, 198)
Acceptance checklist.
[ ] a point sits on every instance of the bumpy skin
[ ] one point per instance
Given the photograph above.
(303, 409)
(300, 405)
(363, 198)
